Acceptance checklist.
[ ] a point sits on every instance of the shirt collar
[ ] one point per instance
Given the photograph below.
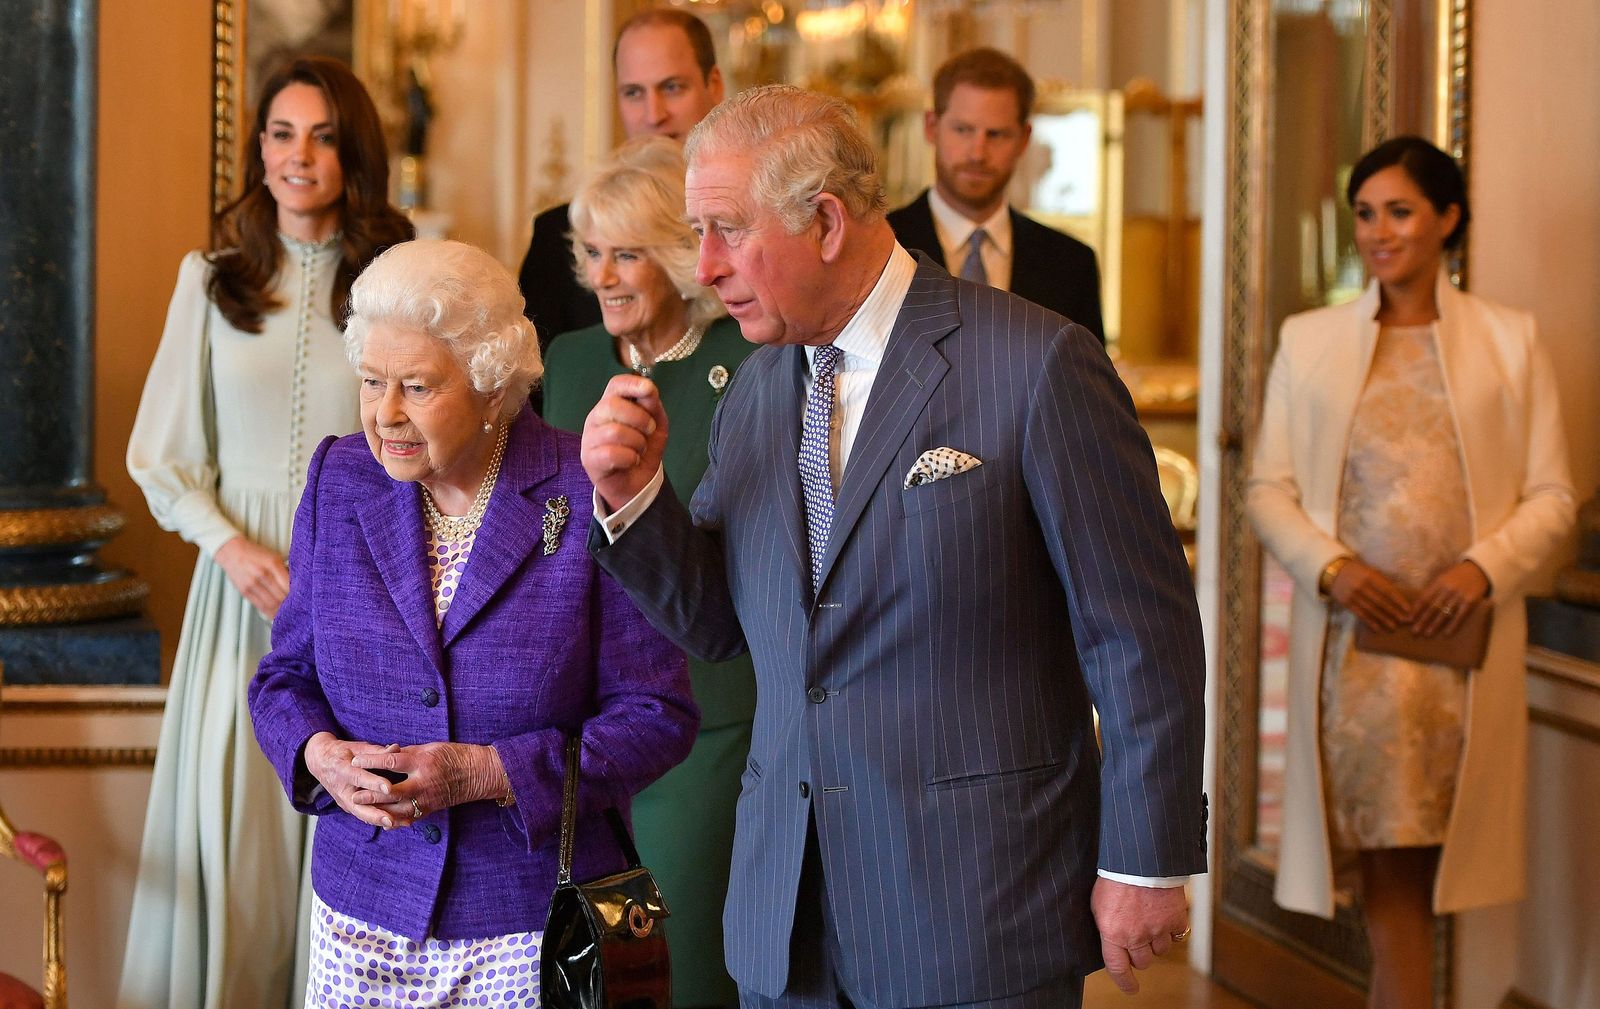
(866, 336)
(955, 229)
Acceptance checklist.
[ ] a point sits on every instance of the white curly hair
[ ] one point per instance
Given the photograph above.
(461, 295)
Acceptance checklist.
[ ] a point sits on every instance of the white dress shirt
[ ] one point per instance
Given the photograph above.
(955, 230)
(864, 339)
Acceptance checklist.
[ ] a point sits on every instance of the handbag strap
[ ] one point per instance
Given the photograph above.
(569, 814)
(569, 820)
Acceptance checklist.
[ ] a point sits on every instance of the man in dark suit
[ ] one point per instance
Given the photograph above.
(667, 80)
(932, 518)
(979, 128)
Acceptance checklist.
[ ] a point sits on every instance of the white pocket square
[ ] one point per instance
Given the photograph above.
(938, 463)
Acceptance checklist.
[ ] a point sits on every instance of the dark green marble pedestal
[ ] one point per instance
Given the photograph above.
(103, 652)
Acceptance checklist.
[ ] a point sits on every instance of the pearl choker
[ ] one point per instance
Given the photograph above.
(677, 352)
(455, 528)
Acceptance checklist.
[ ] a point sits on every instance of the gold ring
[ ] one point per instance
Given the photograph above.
(1180, 936)
(416, 809)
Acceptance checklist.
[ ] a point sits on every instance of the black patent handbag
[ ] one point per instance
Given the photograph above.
(604, 943)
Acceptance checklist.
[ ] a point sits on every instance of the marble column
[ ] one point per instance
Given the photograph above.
(58, 607)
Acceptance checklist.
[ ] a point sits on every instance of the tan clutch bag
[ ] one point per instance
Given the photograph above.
(1464, 649)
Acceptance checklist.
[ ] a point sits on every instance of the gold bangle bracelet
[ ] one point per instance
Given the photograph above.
(1329, 573)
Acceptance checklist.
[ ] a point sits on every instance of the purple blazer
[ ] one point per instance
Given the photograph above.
(533, 648)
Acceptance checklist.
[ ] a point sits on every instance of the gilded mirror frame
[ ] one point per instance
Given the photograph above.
(1245, 914)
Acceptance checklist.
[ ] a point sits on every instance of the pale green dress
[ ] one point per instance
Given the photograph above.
(224, 433)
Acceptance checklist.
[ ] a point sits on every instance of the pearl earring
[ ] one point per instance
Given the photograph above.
(487, 427)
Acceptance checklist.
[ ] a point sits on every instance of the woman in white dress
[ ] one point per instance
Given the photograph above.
(250, 375)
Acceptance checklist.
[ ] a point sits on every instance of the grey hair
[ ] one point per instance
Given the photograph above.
(803, 144)
(634, 199)
(461, 295)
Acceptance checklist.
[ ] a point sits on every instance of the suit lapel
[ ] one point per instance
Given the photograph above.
(392, 524)
(512, 526)
(914, 229)
(1026, 261)
(783, 436)
(911, 369)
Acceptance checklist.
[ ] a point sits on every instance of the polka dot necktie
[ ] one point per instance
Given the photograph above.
(973, 269)
(816, 478)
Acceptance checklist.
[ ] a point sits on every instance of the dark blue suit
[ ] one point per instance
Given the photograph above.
(929, 705)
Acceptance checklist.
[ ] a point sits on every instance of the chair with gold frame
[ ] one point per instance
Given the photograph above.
(45, 856)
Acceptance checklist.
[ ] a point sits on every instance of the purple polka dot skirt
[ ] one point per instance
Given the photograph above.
(355, 965)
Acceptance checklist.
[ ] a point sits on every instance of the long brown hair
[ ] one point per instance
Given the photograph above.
(245, 252)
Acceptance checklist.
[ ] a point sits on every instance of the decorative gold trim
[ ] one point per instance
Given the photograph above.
(29, 605)
(1456, 112)
(31, 527)
(1378, 121)
(227, 92)
(41, 757)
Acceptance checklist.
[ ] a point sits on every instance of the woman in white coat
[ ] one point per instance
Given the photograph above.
(1410, 467)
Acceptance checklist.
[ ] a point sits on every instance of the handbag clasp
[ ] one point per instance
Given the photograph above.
(639, 923)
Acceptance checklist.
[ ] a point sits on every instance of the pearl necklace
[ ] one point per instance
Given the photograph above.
(677, 352)
(455, 528)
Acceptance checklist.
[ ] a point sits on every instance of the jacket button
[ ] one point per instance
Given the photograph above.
(817, 695)
(430, 697)
(805, 790)
(431, 833)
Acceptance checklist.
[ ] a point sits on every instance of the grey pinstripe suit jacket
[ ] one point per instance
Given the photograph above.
(961, 630)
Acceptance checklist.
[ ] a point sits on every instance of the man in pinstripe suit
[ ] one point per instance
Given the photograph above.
(932, 518)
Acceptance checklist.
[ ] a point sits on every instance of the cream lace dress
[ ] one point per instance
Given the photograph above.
(224, 433)
(1392, 729)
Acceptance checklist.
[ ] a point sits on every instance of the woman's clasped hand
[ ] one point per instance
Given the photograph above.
(1444, 604)
(393, 786)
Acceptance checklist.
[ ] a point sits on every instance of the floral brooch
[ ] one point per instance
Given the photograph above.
(718, 377)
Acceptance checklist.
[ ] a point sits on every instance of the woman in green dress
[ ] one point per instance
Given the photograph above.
(633, 249)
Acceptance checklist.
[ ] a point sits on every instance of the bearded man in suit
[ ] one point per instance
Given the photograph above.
(932, 518)
(979, 129)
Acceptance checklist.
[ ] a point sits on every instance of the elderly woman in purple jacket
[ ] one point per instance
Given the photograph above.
(445, 632)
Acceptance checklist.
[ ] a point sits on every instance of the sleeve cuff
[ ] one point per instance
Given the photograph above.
(614, 524)
(1153, 882)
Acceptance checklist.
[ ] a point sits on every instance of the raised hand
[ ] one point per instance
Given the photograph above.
(624, 437)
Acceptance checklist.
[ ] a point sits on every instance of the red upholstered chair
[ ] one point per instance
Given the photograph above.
(47, 858)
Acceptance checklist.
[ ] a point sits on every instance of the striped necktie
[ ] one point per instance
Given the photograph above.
(816, 477)
(973, 269)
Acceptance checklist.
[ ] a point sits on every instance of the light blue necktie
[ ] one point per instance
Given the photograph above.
(973, 269)
(816, 479)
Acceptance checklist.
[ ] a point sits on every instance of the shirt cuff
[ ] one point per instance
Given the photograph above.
(1153, 882)
(614, 524)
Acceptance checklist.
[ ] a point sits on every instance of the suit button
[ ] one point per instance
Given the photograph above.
(431, 834)
(805, 790)
(817, 695)
(430, 697)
